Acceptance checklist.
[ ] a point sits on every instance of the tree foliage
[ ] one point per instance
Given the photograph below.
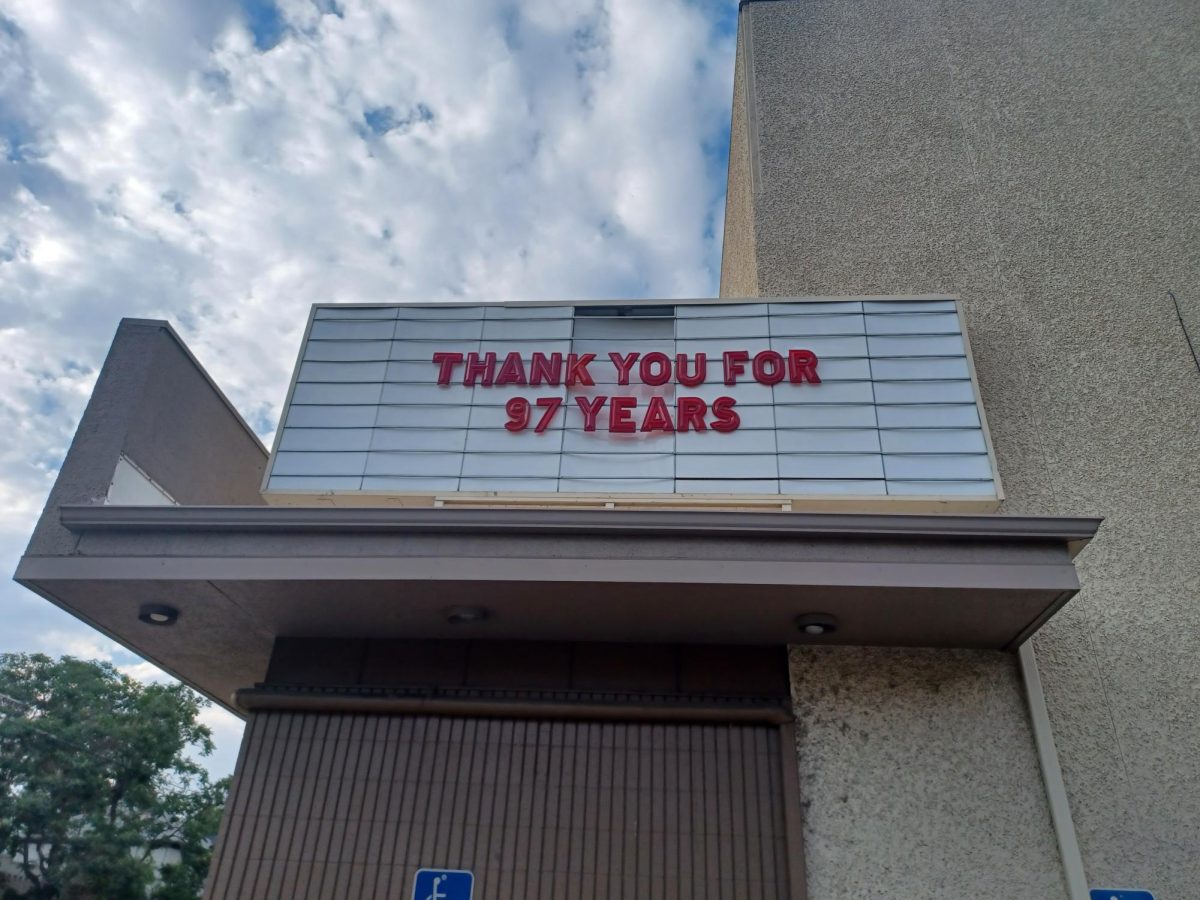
(95, 780)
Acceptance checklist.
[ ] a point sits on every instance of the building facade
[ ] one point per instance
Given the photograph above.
(806, 622)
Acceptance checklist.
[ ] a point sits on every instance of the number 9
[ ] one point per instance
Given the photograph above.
(518, 414)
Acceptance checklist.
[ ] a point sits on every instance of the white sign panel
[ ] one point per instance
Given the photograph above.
(804, 398)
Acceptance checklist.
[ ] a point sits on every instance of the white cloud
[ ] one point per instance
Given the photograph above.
(156, 161)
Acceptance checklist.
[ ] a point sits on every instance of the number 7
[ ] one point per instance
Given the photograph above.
(551, 405)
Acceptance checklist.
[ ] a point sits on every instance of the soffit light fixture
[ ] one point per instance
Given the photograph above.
(158, 614)
(463, 615)
(817, 624)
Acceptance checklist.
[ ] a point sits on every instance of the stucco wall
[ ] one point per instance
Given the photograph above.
(1039, 158)
(739, 275)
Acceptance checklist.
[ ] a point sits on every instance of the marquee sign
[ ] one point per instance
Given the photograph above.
(815, 398)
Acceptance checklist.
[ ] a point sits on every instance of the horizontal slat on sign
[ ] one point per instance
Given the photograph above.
(747, 392)
(337, 394)
(726, 465)
(928, 416)
(617, 485)
(578, 441)
(423, 350)
(501, 440)
(811, 415)
(347, 351)
(526, 348)
(617, 465)
(404, 416)
(719, 310)
(724, 328)
(300, 416)
(499, 395)
(417, 371)
(325, 439)
(740, 441)
(633, 329)
(826, 486)
(528, 312)
(624, 347)
(912, 323)
(726, 486)
(908, 306)
(840, 466)
(447, 439)
(978, 488)
(509, 485)
(527, 329)
(441, 311)
(717, 348)
(342, 371)
(936, 368)
(408, 464)
(427, 330)
(915, 345)
(903, 467)
(924, 392)
(317, 483)
(820, 440)
(825, 392)
(288, 462)
(824, 346)
(816, 308)
(933, 440)
(408, 485)
(332, 330)
(355, 312)
(418, 394)
(804, 326)
(520, 465)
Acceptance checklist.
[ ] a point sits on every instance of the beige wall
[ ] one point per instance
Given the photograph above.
(1040, 159)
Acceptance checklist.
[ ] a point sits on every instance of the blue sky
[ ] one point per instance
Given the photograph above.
(225, 164)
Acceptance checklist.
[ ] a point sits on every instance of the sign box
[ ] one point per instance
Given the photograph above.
(806, 402)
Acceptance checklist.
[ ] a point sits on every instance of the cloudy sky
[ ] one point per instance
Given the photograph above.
(224, 164)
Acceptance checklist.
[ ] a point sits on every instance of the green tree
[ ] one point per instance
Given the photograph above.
(95, 777)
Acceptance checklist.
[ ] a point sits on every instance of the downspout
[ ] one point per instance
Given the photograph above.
(1056, 789)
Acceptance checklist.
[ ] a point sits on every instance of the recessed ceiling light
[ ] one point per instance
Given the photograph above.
(817, 624)
(158, 614)
(461, 615)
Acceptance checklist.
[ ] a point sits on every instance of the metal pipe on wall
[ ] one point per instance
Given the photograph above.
(1056, 789)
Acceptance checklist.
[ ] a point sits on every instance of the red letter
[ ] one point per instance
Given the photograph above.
(662, 361)
(727, 419)
(446, 362)
(518, 414)
(477, 367)
(734, 366)
(802, 366)
(619, 419)
(591, 409)
(512, 371)
(658, 418)
(690, 413)
(761, 360)
(623, 364)
(700, 374)
(545, 371)
(551, 405)
(577, 368)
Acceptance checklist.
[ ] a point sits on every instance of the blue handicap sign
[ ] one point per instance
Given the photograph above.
(443, 884)
(1120, 894)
